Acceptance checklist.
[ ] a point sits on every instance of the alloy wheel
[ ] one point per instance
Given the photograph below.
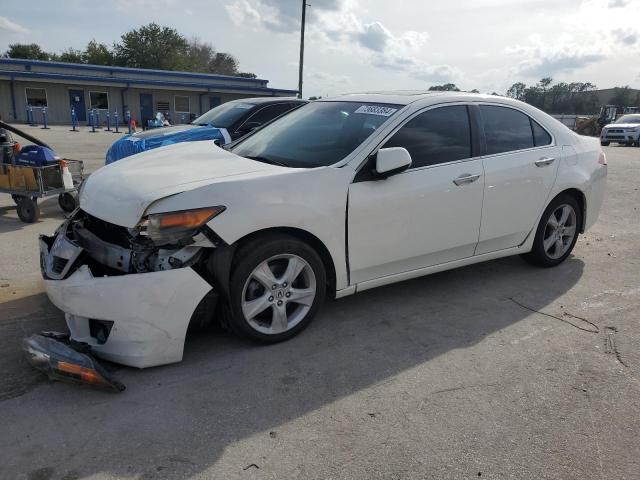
(278, 294)
(560, 231)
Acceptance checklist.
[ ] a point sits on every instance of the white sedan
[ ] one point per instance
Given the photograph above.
(340, 196)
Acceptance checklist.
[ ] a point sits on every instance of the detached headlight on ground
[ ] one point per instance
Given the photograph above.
(60, 361)
(171, 227)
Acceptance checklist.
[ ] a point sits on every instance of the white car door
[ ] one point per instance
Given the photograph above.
(426, 215)
(520, 169)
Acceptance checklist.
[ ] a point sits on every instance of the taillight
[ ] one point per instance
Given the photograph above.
(602, 160)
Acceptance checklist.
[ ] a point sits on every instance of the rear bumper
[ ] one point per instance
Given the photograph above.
(595, 196)
(150, 311)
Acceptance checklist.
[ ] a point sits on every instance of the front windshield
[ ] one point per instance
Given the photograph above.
(225, 115)
(317, 134)
(629, 119)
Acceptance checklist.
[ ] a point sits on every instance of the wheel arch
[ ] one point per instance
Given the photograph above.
(304, 236)
(579, 197)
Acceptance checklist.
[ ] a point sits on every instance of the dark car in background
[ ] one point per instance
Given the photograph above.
(225, 123)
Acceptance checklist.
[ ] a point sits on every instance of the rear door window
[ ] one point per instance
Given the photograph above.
(436, 136)
(506, 129)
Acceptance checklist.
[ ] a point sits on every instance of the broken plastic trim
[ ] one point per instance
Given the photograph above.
(65, 360)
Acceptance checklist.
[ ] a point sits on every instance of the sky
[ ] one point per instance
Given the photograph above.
(365, 45)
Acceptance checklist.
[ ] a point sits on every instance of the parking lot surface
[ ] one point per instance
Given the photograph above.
(455, 375)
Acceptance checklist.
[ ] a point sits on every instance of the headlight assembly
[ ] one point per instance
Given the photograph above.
(171, 227)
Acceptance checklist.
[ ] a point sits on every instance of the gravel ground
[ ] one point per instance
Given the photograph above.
(442, 377)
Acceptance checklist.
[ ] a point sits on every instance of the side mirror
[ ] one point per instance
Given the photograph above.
(390, 161)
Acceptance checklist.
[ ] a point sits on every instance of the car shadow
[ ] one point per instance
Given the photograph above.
(185, 415)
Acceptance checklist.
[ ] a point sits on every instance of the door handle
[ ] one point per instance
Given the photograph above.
(465, 178)
(545, 162)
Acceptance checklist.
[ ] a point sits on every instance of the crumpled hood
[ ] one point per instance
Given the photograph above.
(120, 193)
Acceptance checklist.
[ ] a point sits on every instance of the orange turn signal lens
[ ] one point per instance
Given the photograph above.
(82, 373)
(188, 218)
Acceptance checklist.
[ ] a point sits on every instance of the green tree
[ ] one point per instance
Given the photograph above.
(517, 91)
(31, 51)
(622, 96)
(199, 56)
(533, 96)
(152, 46)
(71, 55)
(224, 64)
(202, 57)
(559, 95)
(98, 54)
(447, 87)
(544, 86)
(246, 75)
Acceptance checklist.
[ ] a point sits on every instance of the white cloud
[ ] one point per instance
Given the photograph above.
(337, 25)
(11, 27)
(144, 5)
(374, 36)
(541, 59)
(437, 74)
(626, 36)
(241, 12)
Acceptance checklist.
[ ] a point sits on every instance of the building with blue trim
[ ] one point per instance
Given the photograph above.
(60, 87)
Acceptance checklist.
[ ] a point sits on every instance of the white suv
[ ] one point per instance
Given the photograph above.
(341, 195)
(625, 130)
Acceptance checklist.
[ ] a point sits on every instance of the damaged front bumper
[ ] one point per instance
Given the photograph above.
(136, 319)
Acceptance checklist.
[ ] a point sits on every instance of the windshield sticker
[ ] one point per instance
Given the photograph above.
(376, 110)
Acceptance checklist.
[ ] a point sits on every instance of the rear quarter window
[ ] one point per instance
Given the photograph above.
(540, 136)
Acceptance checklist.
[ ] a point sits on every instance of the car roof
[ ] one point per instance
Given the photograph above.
(262, 100)
(405, 97)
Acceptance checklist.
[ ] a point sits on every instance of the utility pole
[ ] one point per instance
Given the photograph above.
(304, 12)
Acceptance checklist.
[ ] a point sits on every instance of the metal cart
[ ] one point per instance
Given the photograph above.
(26, 184)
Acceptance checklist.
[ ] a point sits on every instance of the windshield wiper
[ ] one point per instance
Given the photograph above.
(268, 160)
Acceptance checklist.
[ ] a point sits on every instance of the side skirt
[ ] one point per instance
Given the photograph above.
(420, 272)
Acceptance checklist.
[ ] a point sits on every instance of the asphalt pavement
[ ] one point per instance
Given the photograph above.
(451, 376)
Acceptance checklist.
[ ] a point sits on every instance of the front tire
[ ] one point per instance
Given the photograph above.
(605, 144)
(277, 285)
(557, 232)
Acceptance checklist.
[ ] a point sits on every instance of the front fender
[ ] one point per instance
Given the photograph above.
(313, 200)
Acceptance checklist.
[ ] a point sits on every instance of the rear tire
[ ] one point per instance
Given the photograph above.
(557, 232)
(277, 285)
(28, 210)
